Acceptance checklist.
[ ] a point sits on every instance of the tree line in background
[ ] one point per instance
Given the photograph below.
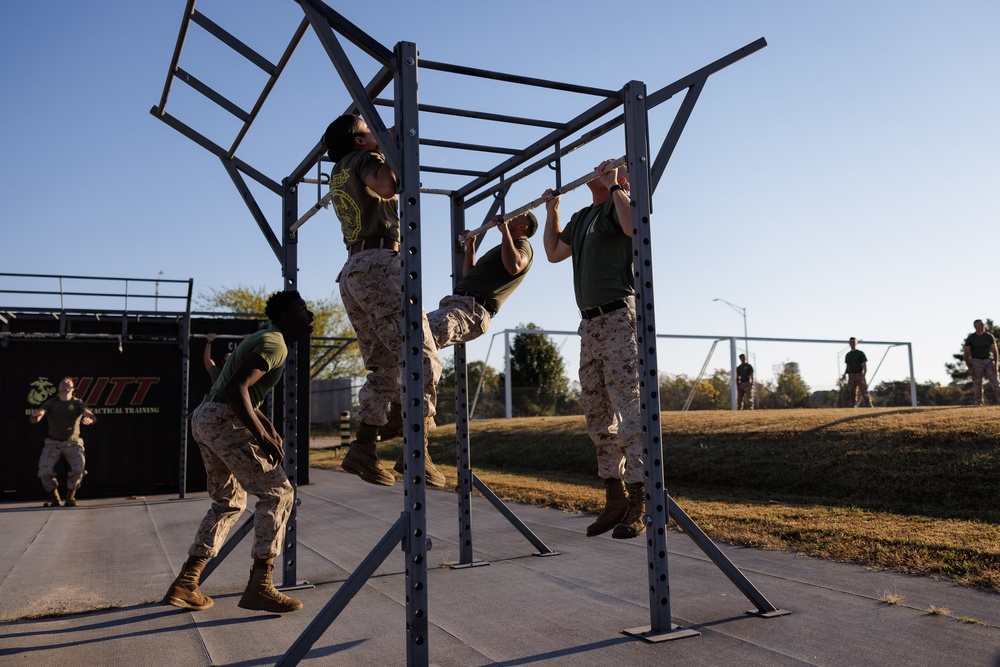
(540, 385)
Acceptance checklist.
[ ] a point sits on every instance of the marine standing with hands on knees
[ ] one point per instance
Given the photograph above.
(243, 452)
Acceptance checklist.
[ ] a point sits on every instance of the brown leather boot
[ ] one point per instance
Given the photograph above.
(434, 477)
(261, 595)
(54, 500)
(71, 499)
(633, 524)
(615, 505)
(394, 426)
(184, 591)
(362, 460)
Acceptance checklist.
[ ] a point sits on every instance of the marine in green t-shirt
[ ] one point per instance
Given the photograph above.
(496, 275)
(363, 214)
(270, 346)
(599, 240)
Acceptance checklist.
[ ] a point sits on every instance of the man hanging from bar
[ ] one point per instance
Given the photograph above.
(365, 199)
(243, 453)
(482, 288)
(599, 239)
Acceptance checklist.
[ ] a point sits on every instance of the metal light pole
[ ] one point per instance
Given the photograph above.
(742, 311)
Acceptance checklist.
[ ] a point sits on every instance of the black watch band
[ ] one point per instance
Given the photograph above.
(617, 186)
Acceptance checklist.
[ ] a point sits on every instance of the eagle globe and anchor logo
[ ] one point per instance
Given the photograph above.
(41, 390)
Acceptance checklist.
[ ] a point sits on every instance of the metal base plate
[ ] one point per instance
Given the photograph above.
(647, 634)
(768, 614)
(543, 554)
(297, 587)
(463, 566)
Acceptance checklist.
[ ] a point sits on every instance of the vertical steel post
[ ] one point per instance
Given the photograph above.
(415, 543)
(637, 149)
(290, 383)
(913, 379)
(185, 336)
(507, 382)
(462, 453)
(732, 366)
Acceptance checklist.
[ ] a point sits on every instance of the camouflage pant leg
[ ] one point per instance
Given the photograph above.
(235, 465)
(609, 385)
(370, 289)
(980, 368)
(51, 453)
(744, 395)
(856, 384)
(458, 319)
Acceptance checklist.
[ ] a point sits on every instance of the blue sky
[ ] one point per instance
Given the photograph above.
(840, 182)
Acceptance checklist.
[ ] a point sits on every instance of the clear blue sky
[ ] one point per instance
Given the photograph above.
(841, 182)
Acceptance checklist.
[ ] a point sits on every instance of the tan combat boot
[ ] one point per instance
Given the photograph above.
(71, 499)
(54, 500)
(432, 475)
(261, 595)
(362, 460)
(184, 591)
(615, 506)
(394, 426)
(633, 524)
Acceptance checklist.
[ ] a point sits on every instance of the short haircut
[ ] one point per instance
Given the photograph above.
(978, 322)
(532, 223)
(280, 303)
(743, 356)
(852, 338)
(339, 137)
(66, 377)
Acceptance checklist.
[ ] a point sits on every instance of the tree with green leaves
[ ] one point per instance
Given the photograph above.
(491, 398)
(538, 374)
(958, 371)
(330, 322)
(789, 389)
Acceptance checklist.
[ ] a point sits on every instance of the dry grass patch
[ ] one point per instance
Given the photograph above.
(911, 490)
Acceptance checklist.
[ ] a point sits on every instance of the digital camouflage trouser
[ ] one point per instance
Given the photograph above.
(609, 385)
(370, 288)
(235, 465)
(458, 319)
(856, 383)
(744, 395)
(979, 368)
(53, 449)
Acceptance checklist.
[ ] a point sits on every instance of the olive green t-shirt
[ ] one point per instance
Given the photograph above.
(602, 255)
(362, 213)
(980, 345)
(270, 346)
(489, 279)
(64, 417)
(854, 360)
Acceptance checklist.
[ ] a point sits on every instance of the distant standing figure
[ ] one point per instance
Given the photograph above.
(744, 384)
(210, 366)
(857, 368)
(65, 413)
(981, 358)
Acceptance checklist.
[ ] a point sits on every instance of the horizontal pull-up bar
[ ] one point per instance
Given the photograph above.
(564, 189)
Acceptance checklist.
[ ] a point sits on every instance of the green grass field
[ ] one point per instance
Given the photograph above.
(913, 489)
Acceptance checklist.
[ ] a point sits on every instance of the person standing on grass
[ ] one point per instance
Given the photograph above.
(65, 413)
(243, 452)
(744, 384)
(981, 357)
(856, 368)
(599, 240)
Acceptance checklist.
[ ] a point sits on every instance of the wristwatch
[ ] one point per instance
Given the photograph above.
(617, 186)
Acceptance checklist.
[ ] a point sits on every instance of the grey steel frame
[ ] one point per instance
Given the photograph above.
(400, 66)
